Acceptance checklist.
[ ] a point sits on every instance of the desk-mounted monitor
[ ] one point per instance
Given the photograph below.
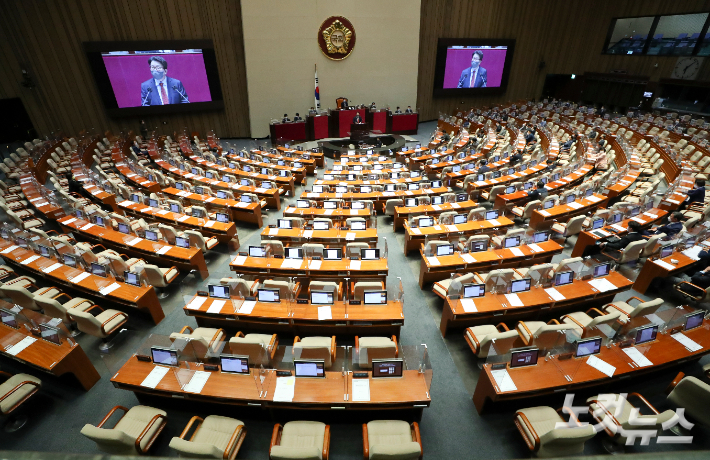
(312, 368)
(436, 184)
(358, 225)
(330, 204)
(413, 187)
(460, 219)
(164, 356)
(50, 334)
(410, 202)
(175, 208)
(694, 320)
(322, 297)
(588, 347)
(222, 217)
(444, 249)
(234, 364)
(44, 251)
(563, 278)
(461, 197)
(383, 368)
(257, 251)
(369, 253)
(375, 297)
(333, 254)
(479, 246)
(601, 270)
(357, 205)
(541, 237)
(72, 260)
(221, 195)
(390, 187)
(471, 291)
(293, 253)
(320, 225)
(134, 279)
(597, 223)
(491, 215)
(437, 199)
(646, 334)
(511, 242)
(303, 204)
(8, 318)
(425, 222)
(218, 291)
(523, 357)
(124, 228)
(666, 251)
(151, 235)
(341, 189)
(182, 242)
(522, 285)
(268, 295)
(99, 270)
(364, 189)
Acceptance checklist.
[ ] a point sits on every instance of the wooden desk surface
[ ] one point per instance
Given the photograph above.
(438, 167)
(623, 184)
(136, 179)
(520, 176)
(286, 182)
(333, 235)
(414, 237)
(140, 298)
(336, 182)
(548, 376)
(402, 213)
(370, 269)
(191, 258)
(338, 214)
(564, 212)
(46, 356)
(537, 303)
(238, 211)
(452, 177)
(491, 259)
(375, 196)
(409, 392)
(652, 269)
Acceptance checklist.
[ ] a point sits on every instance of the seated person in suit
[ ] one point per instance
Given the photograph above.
(697, 194)
(671, 228)
(344, 104)
(539, 193)
(373, 106)
(484, 167)
(312, 111)
(517, 157)
(357, 118)
(285, 118)
(398, 110)
(620, 244)
(161, 89)
(567, 145)
(297, 117)
(136, 149)
(409, 109)
(529, 137)
(499, 128)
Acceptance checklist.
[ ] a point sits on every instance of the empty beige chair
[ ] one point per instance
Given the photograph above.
(537, 427)
(476, 214)
(354, 249)
(52, 307)
(313, 249)
(572, 227)
(349, 221)
(480, 338)
(104, 325)
(24, 298)
(160, 278)
(587, 323)
(328, 286)
(615, 419)
(273, 247)
(524, 212)
(441, 288)
(693, 395)
(499, 239)
(205, 341)
(20, 281)
(14, 391)
(240, 286)
(361, 287)
(541, 334)
(283, 287)
(493, 193)
(628, 312)
(369, 348)
(651, 244)
(212, 437)
(430, 247)
(315, 348)
(391, 439)
(303, 440)
(134, 433)
(260, 348)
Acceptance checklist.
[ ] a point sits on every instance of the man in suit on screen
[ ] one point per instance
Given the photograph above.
(161, 89)
(474, 76)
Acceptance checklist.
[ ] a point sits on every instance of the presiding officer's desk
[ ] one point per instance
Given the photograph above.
(587, 238)
(237, 210)
(272, 196)
(65, 358)
(299, 317)
(332, 270)
(535, 304)
(156, 252)
(265, 389)
(101, 290)
(335, 235)
(414, 237)
(403, 213)
(224, 232)
(434, 269)
(559, 373)
(564, 212)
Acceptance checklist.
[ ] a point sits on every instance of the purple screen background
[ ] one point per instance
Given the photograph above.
(127, 71)
(459, 59)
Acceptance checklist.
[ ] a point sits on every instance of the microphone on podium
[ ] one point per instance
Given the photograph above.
(145, 99)
(181, 95)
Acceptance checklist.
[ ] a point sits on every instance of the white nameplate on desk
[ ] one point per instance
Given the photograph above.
(314, 264)
(575, 205)
(51, 268)
(216, 306)
(594, 199)
(468, 258)
(601, 365)
(535, 248)
(197, 382)
(517, 252)
(452, 228)
(183, 218)
(162, 212)
(21, 345)
(109, 289)
(285, 388)
(67, 222)
(163, 250)
(247, 307)
(436, 207)
(503, 380)
(210, 223)
(637, 356)
(514, 300)
(29, 260)
(10, 249)
(155, 376)
(240, 260)
(686, 341)
(134, 241)
(324, 313)
(273, 231)
(433, 261)
(468, 306)
(544, 213)
(495, 222)
(554, 294)
(350, 236)
(664, 264)
(361, 390)
(80, 277)
(196, 303)
(416, 231)
(354, 265)
(307, 233)
(86, 227)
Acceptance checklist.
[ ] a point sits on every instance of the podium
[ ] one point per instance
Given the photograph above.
(359, 131)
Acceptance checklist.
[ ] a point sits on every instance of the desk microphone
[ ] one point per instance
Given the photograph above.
(145, 99)
(181, 95)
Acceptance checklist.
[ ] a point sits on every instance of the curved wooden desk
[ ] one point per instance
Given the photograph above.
(333, 236)
(402, 213)
(547, 377)
(327, 269)
(564, 212)
(415, 237)
(238, 211)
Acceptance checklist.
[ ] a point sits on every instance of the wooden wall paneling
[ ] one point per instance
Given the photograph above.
(45, 37)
